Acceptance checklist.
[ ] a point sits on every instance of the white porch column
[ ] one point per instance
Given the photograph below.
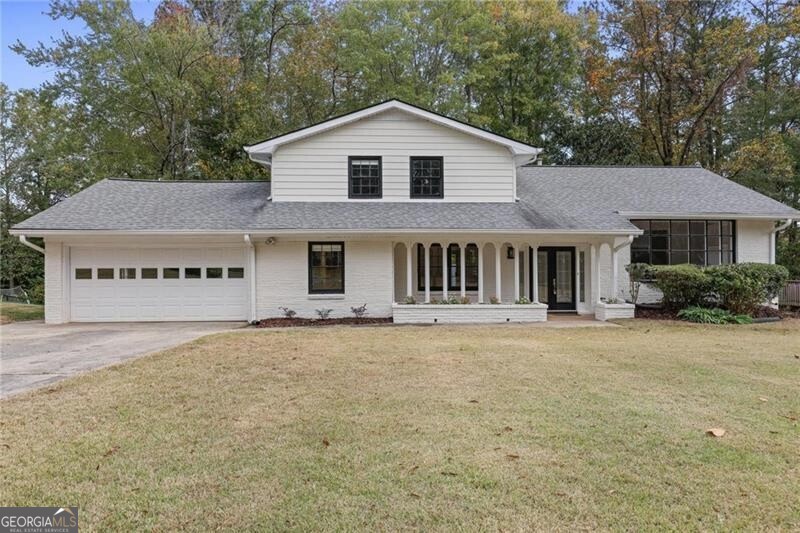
(462, 248)
(526, 269)
(444, 270)
(614, 271)
(516, 271)
(595, 266)
(480, 272)
(535, 266)
(498, 265)
(427, 247)
(409, 272)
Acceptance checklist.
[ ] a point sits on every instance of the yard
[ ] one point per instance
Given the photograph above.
(15, 312)
(426, 428)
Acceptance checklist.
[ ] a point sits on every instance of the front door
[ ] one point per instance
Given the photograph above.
(556, 273)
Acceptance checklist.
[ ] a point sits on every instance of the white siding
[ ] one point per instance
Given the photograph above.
(54, 283)
(282, 280)
(315, 169)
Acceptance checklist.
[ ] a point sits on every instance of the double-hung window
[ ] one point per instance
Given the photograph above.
(427, 177)
(326, 268)
(675, 242)
(365, 177)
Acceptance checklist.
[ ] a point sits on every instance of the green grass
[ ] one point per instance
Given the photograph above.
(15, 312)
(429, 428)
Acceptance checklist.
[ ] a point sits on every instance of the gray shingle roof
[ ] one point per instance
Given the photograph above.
(551, 198)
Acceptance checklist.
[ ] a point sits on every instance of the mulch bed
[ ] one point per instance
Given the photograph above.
(317, 322)
(659, 313)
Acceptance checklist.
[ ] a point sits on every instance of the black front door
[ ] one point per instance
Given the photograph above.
(556, 273)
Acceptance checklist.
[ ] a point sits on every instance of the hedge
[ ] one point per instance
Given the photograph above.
(739, 288)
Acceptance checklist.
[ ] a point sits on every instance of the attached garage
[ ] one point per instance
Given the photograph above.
(108, 284)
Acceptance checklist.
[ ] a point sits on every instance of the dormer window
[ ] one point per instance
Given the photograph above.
(365, 176)
(427, 177)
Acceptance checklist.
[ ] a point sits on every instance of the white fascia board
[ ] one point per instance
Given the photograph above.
(709, 216)
(268, 147)
(268, 232)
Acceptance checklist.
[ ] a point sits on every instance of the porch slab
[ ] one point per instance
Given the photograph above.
(468, 313)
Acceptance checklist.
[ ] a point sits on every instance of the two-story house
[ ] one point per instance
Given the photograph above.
(399, 208)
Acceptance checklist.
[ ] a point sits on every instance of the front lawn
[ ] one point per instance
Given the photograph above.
(425, 428)
(15, 312)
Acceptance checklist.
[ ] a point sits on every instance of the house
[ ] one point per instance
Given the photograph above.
(399, 208)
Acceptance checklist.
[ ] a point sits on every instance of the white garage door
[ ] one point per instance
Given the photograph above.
(141, 284)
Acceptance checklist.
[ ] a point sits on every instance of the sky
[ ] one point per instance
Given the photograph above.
(27, 21)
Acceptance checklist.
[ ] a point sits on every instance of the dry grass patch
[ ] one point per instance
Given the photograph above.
(428, 428)
(15, 312)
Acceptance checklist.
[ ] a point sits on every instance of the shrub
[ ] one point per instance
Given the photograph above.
(744, 287)
(523, 301)
(360, 311)
(409, 300)
(324, 313)
(464, 300)
(681, 285)
(36, 292)
(494, 300)
(705, 315)
(637, 272)
(287, 313)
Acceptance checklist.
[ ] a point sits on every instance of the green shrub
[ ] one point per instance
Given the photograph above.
(743, 287)
(681, 285)
(36, 292)
(716, 315)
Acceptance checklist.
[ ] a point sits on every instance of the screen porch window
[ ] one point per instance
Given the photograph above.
(427, 177)
(453, 267)
(365, 177)
(675, 242)
(326, 267)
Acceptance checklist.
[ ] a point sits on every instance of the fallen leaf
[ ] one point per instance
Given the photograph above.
(415, 495)
(512, 456)
(111, 451)
(473, 401)
(449, 474)
(715, 432)
(326, 442)
(790, 417)
(413, 468)
(561, 493)
(763, 399)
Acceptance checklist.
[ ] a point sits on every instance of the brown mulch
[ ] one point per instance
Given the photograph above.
(316, 322)
(658, 313)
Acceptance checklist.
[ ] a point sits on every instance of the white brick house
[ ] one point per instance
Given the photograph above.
(384, 206)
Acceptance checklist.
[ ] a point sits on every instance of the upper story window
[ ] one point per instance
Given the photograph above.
(365, 177)
(675, 242)
(427, 177)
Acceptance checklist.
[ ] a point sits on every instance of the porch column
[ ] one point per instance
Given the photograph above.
(498, 249)
(462, 247)
(480, 272)
(614, 270)
(444, 270)
(516, 272)
(409, 272)
(526, 278)
(595, 266)
(535, 267)
(427, 246)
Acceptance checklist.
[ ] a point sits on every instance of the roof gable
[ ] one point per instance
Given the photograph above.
(267, 147)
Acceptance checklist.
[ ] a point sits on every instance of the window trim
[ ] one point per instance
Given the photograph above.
(325, 291)
(689, 235)
(411, 177)
(350, 193)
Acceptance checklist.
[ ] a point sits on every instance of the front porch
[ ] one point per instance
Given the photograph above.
(444, 280)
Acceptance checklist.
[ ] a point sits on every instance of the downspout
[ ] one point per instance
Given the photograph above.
(615, 265)
(251, 258)
(773, 239)
(29, 244)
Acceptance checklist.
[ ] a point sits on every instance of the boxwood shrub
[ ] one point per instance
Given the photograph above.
(739, 288)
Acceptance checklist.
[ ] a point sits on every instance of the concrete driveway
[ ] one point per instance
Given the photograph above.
(33, 354)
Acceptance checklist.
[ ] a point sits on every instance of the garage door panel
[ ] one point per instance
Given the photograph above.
(139, 299)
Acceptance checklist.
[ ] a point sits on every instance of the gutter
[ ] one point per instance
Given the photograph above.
(30, 245)
(251, 258)
(773, 239)
(624, 243)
